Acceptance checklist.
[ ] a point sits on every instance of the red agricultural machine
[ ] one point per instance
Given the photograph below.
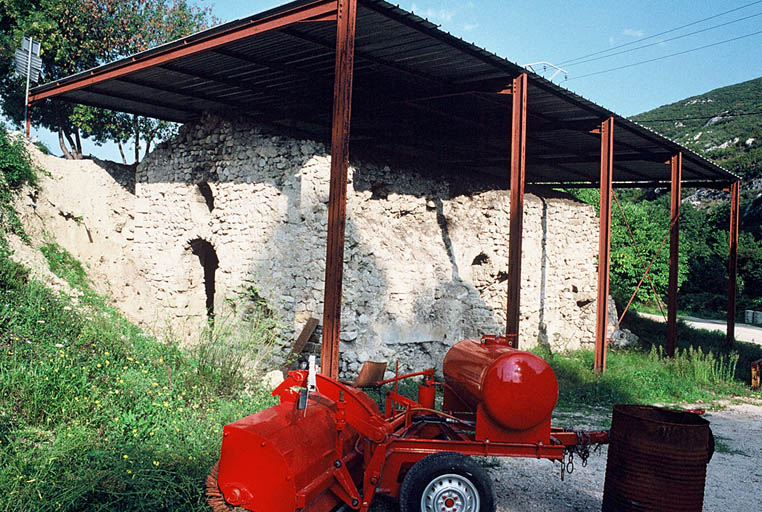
(327, 445)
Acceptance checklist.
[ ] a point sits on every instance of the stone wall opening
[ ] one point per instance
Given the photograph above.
(206, 192)
(207, 256)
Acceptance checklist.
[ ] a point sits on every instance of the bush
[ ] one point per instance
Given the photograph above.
(15, 163)
(235, 346)
(16, 170)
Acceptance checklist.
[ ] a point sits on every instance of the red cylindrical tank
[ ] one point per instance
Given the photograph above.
(518, 390)
(270, 458)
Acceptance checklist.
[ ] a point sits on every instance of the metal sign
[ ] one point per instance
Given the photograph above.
(28, 62)
(28, 65)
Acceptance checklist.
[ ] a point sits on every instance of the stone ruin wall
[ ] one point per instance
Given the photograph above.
(426, 253)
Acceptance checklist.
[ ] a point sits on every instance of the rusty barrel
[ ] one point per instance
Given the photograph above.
(656, 460)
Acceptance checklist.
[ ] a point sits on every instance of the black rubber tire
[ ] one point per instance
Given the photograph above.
(429, 468)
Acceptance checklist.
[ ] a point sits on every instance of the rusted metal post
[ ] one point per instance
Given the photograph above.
(674, 252)
(604, 242)
(518, 163)
(735, 204)
(337, 197)
(28, 120)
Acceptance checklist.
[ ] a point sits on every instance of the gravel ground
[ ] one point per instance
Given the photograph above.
(734, 475)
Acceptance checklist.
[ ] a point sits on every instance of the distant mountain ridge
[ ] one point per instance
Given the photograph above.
(724, 124)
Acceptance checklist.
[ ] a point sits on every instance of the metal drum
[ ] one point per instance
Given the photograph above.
(657, 460)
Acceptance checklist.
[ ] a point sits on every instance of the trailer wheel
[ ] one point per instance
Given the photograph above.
(447, 482)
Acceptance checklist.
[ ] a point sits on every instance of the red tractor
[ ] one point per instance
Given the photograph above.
(327, 445)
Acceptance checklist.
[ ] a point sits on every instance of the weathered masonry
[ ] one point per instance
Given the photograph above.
(426, 254)
(367, 74)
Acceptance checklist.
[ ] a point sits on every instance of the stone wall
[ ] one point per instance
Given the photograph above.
(426, 252)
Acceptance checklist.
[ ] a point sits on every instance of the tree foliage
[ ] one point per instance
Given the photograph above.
(704, 246)
(77, 35)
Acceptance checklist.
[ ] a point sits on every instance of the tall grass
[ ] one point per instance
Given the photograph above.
(648, 376)
(16, 170)
(237, 345)
(97, 415)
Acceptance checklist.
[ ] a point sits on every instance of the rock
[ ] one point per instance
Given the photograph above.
(272, 379)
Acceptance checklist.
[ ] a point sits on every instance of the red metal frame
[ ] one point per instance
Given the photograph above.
(518, 172)
(394, 442)
(604, 241)
(316, 10)
(337, 199)
(674, 251)
(735, 204)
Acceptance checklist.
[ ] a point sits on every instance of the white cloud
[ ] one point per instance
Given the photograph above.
(631, 32)
(470, 26)
(441, 15)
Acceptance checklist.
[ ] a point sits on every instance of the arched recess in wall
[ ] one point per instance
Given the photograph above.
(207, 194)
(207, 257)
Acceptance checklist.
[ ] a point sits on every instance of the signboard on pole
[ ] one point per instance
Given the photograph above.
(29, 52)
(28, 65)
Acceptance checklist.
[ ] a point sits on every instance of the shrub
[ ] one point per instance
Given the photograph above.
(15, 163)
(16, 170)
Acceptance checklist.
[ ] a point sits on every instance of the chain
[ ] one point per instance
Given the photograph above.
(581, 449)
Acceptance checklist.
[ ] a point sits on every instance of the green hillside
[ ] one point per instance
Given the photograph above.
(724, 124)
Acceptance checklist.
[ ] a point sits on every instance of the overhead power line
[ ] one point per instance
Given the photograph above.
(666, 40)
(697, 117)
(659, 34)
(666, 56)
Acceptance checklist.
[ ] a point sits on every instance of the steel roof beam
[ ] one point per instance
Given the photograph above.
(676, 166)
(417, 75)
(337, 195)
(190, 47)
(182, 92)
(518, 179)
(735, 216)
(604, 243)
(169, 114)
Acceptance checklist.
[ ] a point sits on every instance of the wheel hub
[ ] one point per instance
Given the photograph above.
(450, 493)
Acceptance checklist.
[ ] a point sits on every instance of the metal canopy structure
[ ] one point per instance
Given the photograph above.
(412, 91)
(417, 91)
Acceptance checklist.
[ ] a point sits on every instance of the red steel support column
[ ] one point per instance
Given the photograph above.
(674, 252)
(337, 198)
(28, 121)
(604, 242)
(735, 204)
(518, 163)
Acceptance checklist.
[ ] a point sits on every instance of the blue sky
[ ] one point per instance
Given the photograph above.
(559, 31)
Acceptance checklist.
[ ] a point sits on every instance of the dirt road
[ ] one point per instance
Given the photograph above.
(744, 332)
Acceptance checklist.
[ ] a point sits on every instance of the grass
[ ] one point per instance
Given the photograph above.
(703, 370)
(95, 414)
(16, 171)
(64, 265)
(720, 446)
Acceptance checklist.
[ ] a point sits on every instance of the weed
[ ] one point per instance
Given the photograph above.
(16, 170)
(236, 345)
(720, 446)
(97, 415)
(695, 374)
(65, 266)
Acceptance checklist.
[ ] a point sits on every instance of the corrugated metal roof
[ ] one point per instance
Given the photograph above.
(418, 92)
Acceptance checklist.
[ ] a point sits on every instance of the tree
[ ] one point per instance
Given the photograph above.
(80, 34)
